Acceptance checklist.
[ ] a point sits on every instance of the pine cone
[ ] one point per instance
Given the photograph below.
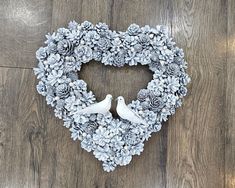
(133, 29)
(145, 105)
(172, 69)
(65, 47)
(103, 43)
(156, 104)
(102, 29)
(182, 91)
(144, 40)
(86, 25)
(72, 75)
(62, 91)
(142, 95)
(91, 127)
(119, 59)
(83, 53)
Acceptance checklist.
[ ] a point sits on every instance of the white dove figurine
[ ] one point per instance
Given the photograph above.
(101, 107)
(126, 113)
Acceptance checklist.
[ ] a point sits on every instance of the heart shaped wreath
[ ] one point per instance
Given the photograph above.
(113, 141)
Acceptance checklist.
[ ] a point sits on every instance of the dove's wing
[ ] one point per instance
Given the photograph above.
(88, 109)
(126, 113)
(130, 114)
(100, 107)
(133, 112)
(92, 108)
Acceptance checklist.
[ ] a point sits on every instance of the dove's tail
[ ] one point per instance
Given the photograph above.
(145, 123)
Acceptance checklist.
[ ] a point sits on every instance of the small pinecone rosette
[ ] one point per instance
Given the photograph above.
(65, 47)
(142, 95)
(155, 103)
(62, 91)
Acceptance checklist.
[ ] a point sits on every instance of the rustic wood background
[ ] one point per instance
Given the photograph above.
(195, 148)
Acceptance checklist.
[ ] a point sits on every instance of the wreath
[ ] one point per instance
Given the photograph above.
(112, 141)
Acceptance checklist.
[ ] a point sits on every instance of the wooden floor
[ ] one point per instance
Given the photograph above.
(195, 148)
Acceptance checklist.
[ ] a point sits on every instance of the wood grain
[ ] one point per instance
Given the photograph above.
(195, 148)
(230, 100)
(21, 127)
(230, 126)
(196, 142)
(200, 27)
(23, 25)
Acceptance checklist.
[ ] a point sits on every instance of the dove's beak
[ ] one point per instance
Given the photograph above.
(116, 99)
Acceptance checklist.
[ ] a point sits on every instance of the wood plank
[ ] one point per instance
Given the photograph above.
(230, 101)
(197, 150)
(23, 25)
(22, 129)
(200, 27)
(117, 14)
(195, 146)
(230, 126)
(231, 27)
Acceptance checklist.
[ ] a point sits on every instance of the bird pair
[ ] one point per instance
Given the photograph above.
(122, 109)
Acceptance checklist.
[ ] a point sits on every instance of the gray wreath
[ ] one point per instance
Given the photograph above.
(113, 141)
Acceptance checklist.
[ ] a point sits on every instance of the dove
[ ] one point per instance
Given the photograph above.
(101, 107)
(126, 113)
